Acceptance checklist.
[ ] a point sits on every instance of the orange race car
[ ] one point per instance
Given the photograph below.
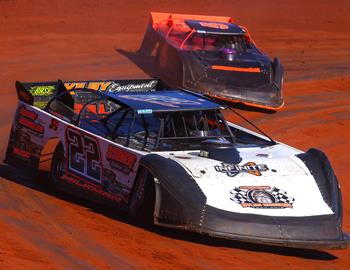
(215, 56)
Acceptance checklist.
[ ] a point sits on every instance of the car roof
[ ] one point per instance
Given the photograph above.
(207, 27)
(163, 100)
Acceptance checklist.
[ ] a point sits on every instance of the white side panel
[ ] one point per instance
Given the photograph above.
(273, 172)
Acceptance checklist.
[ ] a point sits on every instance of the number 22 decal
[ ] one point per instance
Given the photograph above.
(84, 156)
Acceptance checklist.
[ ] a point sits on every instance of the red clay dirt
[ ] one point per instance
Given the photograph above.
(79, 39)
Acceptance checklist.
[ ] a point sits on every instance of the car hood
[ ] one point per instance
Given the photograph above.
(246, 70)
(287, 186)
(246, 59)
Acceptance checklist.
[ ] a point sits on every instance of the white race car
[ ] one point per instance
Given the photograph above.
(170, 157)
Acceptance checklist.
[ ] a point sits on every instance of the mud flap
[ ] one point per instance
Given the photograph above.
(181, 202)
(320, 167)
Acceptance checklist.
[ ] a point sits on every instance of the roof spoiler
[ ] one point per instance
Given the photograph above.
(27, 91)
(151, 39)
(40, 93)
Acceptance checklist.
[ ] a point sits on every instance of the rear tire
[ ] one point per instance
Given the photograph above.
(142, 200)
(57, 165)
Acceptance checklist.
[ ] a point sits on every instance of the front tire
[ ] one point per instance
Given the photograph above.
(142, 200)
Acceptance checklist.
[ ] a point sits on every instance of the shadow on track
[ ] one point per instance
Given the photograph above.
(145, 62)
(42, 184)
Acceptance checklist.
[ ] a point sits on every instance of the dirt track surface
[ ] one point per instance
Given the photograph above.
(82, 39)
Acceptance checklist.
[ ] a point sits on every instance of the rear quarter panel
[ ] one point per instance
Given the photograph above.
(92, 162)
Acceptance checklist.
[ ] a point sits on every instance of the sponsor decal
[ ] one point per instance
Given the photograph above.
(144, 111)
(26, 119)
(183, 157)
(162, 100)
(112, 86)
(54, 124)
(133, 87)
(232, 170)
(42, 90)
(21, 153)
(40, 104)
(98, 86)
(264, 155)
(23, 111)
(261, 197)
(214, 25)
(109, 176)
(22, 145)
(120, 160)
(111, 185)
(89, 187)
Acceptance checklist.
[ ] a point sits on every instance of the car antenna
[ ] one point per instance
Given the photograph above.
(262, 132)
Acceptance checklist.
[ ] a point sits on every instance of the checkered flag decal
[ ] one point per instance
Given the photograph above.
(240, 196)
(281, 196)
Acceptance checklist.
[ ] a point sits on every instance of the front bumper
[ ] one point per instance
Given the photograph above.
(317, 232)
(267, 96)
(181, 204)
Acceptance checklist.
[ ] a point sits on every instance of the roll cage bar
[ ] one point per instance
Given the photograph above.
(164, 118)
(68, 100)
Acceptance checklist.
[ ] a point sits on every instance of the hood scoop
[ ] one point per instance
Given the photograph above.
(221, 150)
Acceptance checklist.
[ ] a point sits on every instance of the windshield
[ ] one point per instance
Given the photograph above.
(214, 42)
(186, 130)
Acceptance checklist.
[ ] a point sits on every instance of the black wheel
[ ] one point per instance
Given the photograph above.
(57, 165)
(142, 200)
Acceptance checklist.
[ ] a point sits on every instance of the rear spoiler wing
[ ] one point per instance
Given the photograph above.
(151, 38)
(157, 17)
(40, 93)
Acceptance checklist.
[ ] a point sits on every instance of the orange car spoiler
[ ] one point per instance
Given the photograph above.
(157, 17)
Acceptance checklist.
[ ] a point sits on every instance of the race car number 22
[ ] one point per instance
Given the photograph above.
(84, 156)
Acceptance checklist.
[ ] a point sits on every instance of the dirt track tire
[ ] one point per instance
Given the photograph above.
(142, 200)
(57, 165)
